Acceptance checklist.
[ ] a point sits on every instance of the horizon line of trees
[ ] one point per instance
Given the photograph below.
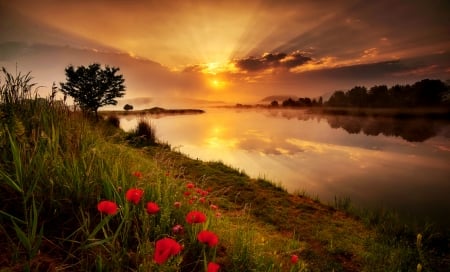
(424, 93)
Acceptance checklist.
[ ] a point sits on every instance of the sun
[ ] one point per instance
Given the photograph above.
(217, 83)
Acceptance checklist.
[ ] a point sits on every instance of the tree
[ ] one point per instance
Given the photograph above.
(128, 107)
(93, 87)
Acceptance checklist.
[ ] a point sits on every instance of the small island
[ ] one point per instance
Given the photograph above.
(155, 111)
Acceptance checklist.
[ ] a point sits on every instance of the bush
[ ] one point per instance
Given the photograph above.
(143, 135)
(113, 120)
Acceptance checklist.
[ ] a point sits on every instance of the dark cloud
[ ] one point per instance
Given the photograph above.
(272, 60)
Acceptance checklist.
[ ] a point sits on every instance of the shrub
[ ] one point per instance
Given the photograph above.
(113, 120)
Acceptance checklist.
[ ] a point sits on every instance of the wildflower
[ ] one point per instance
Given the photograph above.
(152, 208)
(195, 217)
(208, 237)
(178, 229)
(137, 174)
(202, 200)
(134, 195)
(218, 214)
(165, 248)
(107, 207)
(204, 193)
(177, 204)
(213, 267)
(213, 207)
(294, 259)
(190, 185)
(187, 193)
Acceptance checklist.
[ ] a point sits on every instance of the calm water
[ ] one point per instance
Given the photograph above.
(377, 162)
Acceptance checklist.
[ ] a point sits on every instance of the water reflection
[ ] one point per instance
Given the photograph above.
(326, 156)
(411, 129)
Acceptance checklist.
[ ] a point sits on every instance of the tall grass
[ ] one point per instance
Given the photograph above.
(56, 166)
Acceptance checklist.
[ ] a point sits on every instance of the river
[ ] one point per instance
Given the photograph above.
(402, 165)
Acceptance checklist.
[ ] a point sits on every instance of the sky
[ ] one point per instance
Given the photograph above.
(185, 52)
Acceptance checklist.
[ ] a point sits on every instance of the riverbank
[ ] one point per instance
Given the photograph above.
(58, 169)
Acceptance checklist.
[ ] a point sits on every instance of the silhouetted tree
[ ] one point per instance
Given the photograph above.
(93, 87)
(357, 97)
(379, 97)
(289, 103)
(338, 99)
(429, 92)
(274, 103)
(128, 107)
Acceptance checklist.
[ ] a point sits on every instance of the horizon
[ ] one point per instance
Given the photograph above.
(189, 53)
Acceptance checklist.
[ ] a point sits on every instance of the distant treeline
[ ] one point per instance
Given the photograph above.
(301, 102)
(424, 93)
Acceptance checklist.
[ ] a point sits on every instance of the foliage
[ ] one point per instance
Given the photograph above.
(424, 93)
(128, 107)
(93, 87)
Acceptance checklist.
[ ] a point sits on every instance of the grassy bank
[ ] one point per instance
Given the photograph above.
(57, 168)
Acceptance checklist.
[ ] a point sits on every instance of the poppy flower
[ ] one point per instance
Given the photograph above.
(190, 185)
(202, 200)
(107, 207)
(213, 267)
(294, 259)
(204, 193)
(177, 204)
(137, 174)
(213, 207)
(208, 237)
(195, 217)
(187, 193)
(152, 208)
(165, 248)
(134, 195)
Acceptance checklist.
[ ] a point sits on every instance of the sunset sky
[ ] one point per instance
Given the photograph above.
(231, 51)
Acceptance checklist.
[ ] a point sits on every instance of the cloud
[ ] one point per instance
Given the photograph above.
(272, 61)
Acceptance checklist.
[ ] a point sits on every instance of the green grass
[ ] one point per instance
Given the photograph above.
(56, 166)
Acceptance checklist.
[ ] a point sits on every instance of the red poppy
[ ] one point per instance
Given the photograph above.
(202, 200)
(165, 248)
(208, 237)
(177, 204)
(134, 195)
(213, 267)
(152, 208)
(107, 207)
(195, 217)
(204, 193)
(213, 207)
(190, 185)
(187, 193)
(137, 174)
(294, 259)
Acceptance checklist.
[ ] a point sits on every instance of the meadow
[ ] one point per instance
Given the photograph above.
(79, 194)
